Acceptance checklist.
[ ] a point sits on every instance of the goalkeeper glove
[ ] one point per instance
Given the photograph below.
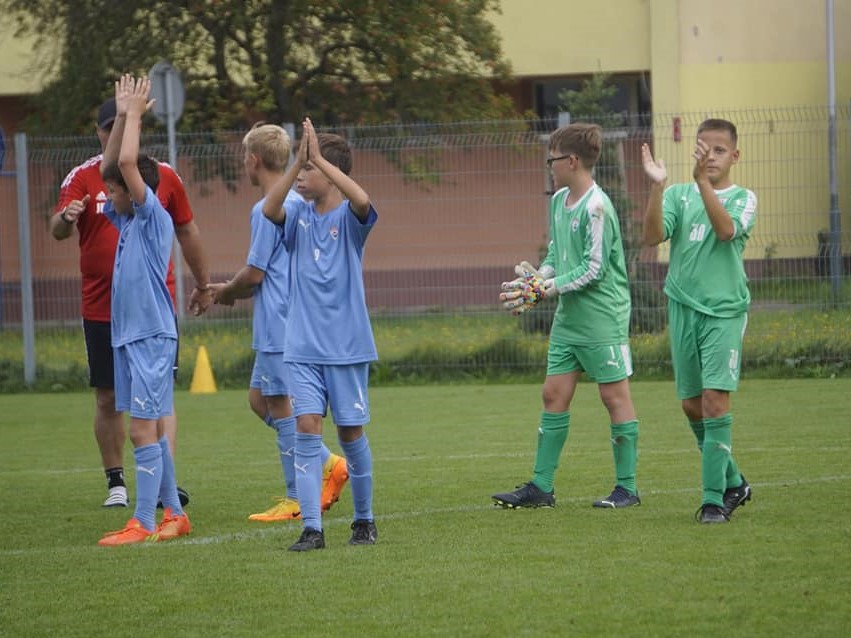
(528, 289)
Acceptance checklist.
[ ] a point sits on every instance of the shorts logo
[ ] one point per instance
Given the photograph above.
(734, 364)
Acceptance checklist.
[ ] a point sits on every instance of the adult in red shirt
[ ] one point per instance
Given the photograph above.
(81, 201)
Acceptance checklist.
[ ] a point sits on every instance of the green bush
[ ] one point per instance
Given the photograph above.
(463, 347)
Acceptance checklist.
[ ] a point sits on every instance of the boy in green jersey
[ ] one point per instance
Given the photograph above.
(585, 268)
(708, 222)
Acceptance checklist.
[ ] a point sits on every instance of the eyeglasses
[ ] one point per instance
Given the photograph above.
(550, 160)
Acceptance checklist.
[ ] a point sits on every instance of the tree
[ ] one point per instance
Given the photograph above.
(340, 61)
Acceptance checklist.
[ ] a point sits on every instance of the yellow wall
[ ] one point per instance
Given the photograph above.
(559, 37)
(744, 60)
(16, 56)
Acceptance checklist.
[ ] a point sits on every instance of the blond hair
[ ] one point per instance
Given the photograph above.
(270, 143)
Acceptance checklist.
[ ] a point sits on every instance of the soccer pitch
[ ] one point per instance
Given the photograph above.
(447, 562)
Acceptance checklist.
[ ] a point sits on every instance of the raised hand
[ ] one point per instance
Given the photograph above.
(139, 90)
(311, 139)
(654, 169)
(701, 160)
(123, 90)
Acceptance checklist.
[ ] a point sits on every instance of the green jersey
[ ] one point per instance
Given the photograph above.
(705, 273)
(585, 257)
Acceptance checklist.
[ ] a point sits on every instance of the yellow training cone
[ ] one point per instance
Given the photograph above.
(202, 379)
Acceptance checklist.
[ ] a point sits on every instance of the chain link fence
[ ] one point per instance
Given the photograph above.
(458, 205)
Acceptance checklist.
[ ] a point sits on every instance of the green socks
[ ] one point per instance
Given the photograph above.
(734, 476)
(697, 428)
(625, 450)
(717, 449)
(552, 435)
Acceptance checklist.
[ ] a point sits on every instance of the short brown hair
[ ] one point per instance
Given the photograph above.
(148, 168)
(336, 150)
(716, 124)
(583, 140)
(270, 143)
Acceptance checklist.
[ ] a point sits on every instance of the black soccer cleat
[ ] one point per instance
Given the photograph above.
(736, 497)
(310, 539)
(527, 495)
(364, 532)
(182, 495)
(619, 497)
(711, 513)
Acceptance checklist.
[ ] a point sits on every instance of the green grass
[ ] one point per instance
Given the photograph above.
(447, 563)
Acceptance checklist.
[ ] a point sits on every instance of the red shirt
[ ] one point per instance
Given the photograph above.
(99, 238)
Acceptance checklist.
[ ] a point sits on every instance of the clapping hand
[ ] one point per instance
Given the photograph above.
(654, 169)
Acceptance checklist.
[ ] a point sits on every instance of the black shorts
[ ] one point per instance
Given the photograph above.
(99, 353)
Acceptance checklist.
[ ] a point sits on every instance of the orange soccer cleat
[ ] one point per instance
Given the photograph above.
(172, 526)
(285, 509)
(334, 477)
(133, 532)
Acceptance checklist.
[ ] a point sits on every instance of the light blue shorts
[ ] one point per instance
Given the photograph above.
(269, 374)
(144, 377)
(343, 388)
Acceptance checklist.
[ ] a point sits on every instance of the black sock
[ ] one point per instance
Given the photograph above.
(115, 477)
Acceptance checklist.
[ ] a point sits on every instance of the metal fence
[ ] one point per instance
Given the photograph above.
(458, 205)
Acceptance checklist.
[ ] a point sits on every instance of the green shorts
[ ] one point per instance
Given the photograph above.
(602, 364)
(706, 351)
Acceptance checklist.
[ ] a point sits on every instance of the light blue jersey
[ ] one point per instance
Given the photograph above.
(141, 304)
(267, 252)
(328, 321)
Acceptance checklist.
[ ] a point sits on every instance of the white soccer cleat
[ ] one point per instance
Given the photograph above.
(117, 497)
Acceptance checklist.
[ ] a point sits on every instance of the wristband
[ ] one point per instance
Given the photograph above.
(202, 288)
(70, 222)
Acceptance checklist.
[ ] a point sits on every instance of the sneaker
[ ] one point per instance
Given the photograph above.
(527, 495)
(133, 532)
(182, 496)
(619, 497)
(117, 497)
(710, 513)
(172, 526)
(310, 539)
(285, 509)
(334, 477)
(736, 496)
(363, 533)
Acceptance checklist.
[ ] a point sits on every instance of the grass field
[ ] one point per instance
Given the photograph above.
(447, 563)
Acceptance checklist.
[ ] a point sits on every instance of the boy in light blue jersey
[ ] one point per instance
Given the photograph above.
(266, 278)
(585, 268)
(143, 325)
(708, 222)
(329, 342)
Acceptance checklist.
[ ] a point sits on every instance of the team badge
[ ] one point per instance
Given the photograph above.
(574, 225)
(334, 232)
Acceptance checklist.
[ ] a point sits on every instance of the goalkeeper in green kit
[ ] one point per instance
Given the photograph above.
(708, 222)
(585, 268)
